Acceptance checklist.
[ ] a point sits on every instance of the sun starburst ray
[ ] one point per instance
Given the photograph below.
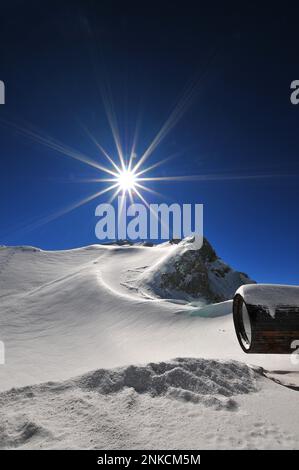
(50, 218)
(149, 190)
(155, 165)
(213, 177)
(150, 209)
(134, 143)
(57, 146)
(172, 120)
(114, 195)
(100, 147)
(112, 120)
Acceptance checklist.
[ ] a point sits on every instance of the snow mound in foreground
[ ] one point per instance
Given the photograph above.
(178, 404)
(185, 378)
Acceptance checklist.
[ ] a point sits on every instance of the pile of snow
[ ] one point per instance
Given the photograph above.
(197, 380)
(270, 297)
(180, 404)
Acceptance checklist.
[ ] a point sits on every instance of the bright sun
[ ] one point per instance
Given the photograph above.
(126, 180)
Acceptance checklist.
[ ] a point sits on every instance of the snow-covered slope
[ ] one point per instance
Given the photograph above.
(189, 273)
(67, 313)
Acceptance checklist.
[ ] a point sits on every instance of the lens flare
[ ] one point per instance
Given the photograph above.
(126, 180)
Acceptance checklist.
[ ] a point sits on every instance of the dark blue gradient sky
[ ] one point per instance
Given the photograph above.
(56, 58)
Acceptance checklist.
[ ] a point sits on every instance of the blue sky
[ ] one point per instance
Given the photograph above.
(56, 59)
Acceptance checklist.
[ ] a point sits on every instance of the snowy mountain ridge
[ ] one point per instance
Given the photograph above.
(189, 273)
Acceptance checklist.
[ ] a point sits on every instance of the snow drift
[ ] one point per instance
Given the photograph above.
(96, 313)
(185, 403)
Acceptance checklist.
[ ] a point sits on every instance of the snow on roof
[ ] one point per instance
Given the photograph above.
(270, 296)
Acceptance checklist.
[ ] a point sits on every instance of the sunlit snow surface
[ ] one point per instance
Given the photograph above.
(66, 314)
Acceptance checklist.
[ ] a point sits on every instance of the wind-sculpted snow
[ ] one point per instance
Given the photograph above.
(180, 404)
(186, 378)
(15, 431)
(201, 382)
